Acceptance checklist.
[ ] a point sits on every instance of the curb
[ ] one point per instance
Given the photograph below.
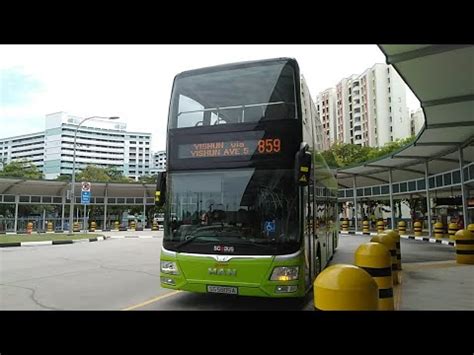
(51, 242)
(422, 239)
(133, 237)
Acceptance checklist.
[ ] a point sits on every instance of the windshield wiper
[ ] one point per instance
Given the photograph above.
(190, 239)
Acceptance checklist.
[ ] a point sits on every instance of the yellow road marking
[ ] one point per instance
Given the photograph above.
(151, 301)
(431, 265)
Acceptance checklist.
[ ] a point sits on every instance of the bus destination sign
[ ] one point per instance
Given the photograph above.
(233, 148)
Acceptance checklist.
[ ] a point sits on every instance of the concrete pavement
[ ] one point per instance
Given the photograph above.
(120, 274)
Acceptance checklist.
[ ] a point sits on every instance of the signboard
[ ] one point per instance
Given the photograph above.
(85, 197)
(86, 186)
(229, 148)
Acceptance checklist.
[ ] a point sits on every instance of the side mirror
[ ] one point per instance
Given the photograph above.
(160, 194)
(303, 161)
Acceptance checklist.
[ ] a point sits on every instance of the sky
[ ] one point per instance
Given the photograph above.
(134, 81)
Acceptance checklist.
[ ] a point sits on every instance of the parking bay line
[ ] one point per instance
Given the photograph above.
(151, 301)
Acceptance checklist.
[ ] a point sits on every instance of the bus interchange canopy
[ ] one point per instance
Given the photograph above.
(442, 78)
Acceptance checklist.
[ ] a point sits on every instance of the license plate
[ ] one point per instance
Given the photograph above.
(223, 289)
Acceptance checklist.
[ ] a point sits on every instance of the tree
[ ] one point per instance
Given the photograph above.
(330, 159)
(93, 173)
(341, 155)
(148, 179)
(116, 175)
(390, 147)
(21, 169)
(97, 174)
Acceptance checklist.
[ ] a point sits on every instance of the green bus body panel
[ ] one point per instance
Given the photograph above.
(252, 275)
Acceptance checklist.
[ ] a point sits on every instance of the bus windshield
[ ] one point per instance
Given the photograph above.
(262, 91)
(250, 211)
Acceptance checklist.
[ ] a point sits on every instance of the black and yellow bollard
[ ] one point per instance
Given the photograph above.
(396, 238)
(380, 226)
(470, 228)
(344, 287)
(464, 246)
(389, 243)
(155, 226)
(438, 230)
(417, 228)
(116, 225)
(93, 226)
(452, 229)
(132, 225)
(376, 260)
(402, 227)
(50, 227)
(345, 225)
(75, 227)
(365, 227)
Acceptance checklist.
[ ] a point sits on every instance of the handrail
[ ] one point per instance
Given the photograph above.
(234, 107)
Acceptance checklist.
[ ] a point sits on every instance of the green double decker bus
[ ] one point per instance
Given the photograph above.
(250, 204)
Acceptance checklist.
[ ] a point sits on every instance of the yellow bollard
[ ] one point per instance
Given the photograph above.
(93, 226)
(29, 228)
(396, 238)
(470, 227)
(464, 246)
(365, 226)
(155, 226)
(438, 230)
(116, 225)
(417, 228)
(389, 243)
(402, 227)
(344, 287)
(75, 227)
(452, 229)
(50, 226)
(132, 225)
(375, 259)
(380, 226)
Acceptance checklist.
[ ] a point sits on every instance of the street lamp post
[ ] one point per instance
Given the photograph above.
(73, 180)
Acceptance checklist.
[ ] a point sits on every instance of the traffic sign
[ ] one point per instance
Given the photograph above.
(86, 186)
(270, 226)
(85, 197)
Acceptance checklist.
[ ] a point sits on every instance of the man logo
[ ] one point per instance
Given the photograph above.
(222, 271)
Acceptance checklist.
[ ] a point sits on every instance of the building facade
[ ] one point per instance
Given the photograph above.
(158, 162)
(367, 109)
(103, 143)
(417, 121)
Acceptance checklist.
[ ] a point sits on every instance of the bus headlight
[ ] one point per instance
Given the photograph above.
(285, 273)
(169, 267)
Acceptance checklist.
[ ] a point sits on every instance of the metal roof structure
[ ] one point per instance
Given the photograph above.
(442, 78)
(22, 187)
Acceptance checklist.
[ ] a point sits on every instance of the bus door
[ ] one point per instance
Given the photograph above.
(308, 232)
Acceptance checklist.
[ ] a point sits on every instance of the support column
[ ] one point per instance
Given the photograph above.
(144, 208)
(392, 213)
(355, 203)
(17, 200)
(85, 216)
(428, 204)
(463, 188)
(44, 220)
(62, 212)
(105, 207)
